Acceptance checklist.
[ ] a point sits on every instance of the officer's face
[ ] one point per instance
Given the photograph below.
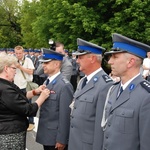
(119, 63)
(51, 67)
(48, 67)
(84, 62)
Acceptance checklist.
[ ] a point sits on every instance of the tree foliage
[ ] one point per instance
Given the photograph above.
(9, 28)
(65, 20)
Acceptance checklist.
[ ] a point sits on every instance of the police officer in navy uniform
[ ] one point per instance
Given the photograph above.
(54, 120)
(26, 53)
(126, 119)
(31, 53)
(89, 98)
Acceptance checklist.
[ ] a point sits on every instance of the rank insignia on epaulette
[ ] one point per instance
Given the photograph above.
(106, 78)
(146, 85)
(65, 80)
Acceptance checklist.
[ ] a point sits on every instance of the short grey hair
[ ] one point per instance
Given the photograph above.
(99, 57)
(6, 60)
(138, 60)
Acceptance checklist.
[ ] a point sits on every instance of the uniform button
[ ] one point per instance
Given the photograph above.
(109, 124)
(111, 113)
(74, 107)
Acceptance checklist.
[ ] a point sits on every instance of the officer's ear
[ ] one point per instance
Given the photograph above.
(131, 62)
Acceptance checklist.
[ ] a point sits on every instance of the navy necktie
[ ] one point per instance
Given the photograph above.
(47, 81)
(84, 82)
(120, 91)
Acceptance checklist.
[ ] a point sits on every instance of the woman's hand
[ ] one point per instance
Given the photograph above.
(43, 96)
(40, 89)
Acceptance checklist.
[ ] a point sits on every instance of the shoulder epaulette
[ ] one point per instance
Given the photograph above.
(146, 85)
(107, 78)
(65, 80)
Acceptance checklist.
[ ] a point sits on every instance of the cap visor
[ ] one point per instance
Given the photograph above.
(79, 53)
(113, 52)
(45, 60)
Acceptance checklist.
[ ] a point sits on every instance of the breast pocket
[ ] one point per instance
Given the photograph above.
(87, 104)
(52, 101)
(124, 120)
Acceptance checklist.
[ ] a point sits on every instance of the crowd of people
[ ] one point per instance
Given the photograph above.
(69, 68)
(100, 112)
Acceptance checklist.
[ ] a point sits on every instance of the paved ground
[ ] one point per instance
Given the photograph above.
(31, 144)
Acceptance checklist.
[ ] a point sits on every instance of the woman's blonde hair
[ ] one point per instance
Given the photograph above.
(6, 60)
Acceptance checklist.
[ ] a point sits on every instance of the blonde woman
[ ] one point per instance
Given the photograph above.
(14, 106)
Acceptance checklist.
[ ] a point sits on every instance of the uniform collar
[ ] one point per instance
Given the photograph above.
(128, 82)
(51, 78)
(89, 77)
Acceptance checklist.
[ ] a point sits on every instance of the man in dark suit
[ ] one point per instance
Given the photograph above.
(66, 68)
(36, 78)
(54, 121)
(89, 98)
(75, 72)
(126, 119)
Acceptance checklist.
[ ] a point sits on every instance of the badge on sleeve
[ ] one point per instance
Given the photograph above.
(65, 80)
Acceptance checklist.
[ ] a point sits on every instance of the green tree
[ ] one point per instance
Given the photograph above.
(130, 18)
(26, 21)
(66, 20)
(10, 32)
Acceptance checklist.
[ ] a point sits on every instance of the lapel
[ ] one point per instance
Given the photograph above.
(87, 87)
(90, 85)
(125, 96)
(121, 99)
